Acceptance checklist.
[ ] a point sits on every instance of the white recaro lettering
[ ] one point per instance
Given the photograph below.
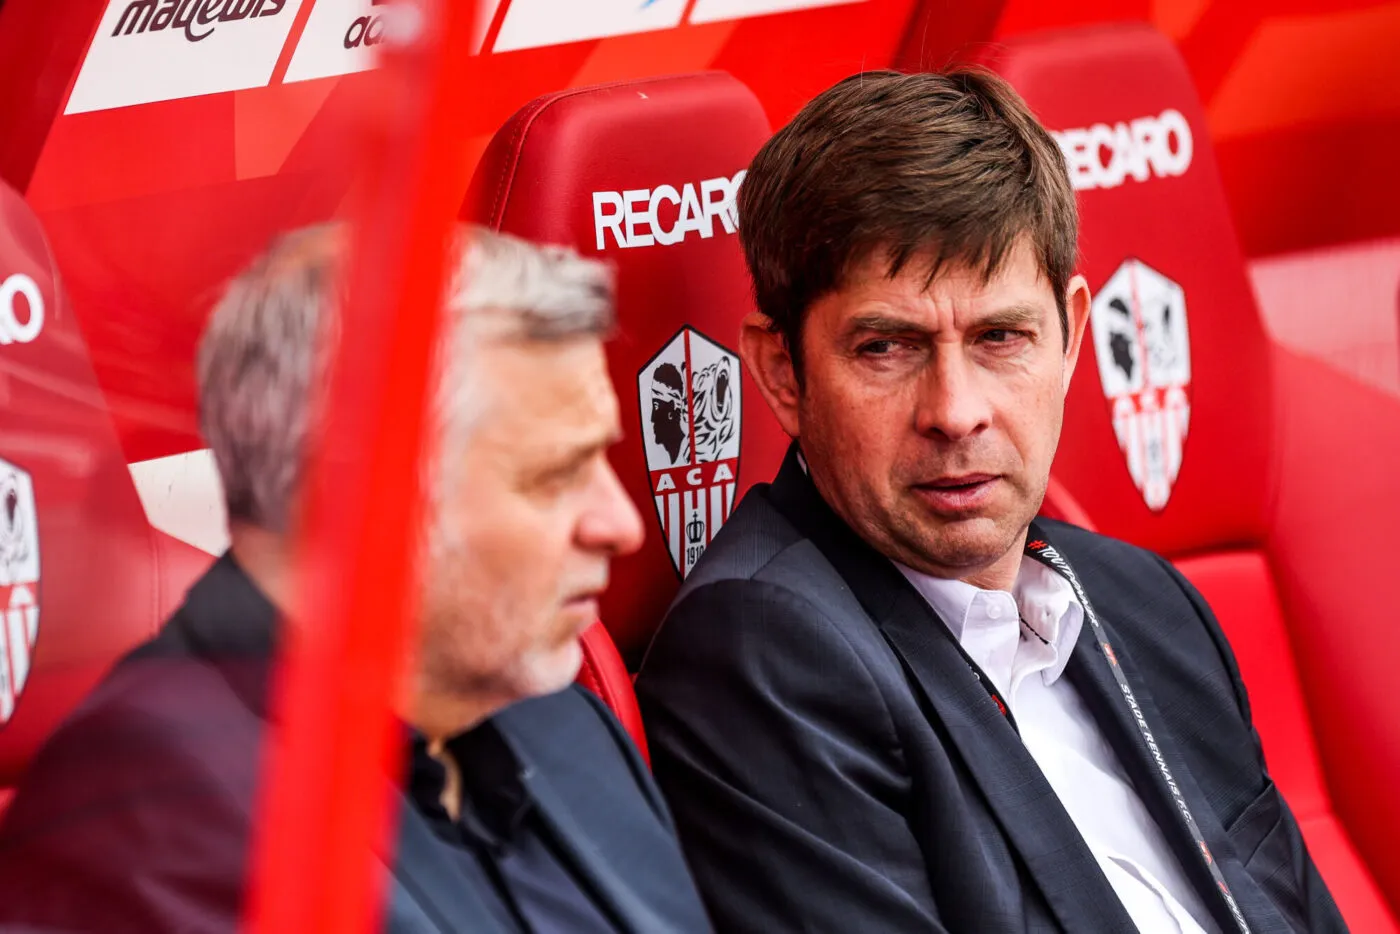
(633, 219)
(12, 330)
(1160, 145)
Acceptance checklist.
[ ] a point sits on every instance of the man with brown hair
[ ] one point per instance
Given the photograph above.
(889, 698)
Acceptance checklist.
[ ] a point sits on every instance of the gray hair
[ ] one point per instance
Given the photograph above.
(262, 351)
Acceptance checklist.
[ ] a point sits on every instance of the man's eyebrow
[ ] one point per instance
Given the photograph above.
(582, 448)
(1017, 315)
(882, 323)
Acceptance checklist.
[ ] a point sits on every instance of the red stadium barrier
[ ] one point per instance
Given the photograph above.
(325, 807)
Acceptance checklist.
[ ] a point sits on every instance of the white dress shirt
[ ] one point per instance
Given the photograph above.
(1022, 641)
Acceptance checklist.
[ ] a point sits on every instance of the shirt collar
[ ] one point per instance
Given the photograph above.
(495, 801)
(1047, 604)
(1050, 608)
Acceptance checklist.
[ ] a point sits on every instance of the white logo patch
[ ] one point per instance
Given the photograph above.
(1158, 146)
(529, 24)
(342, 37)
(691, 410)
(1144, 353)
(18, 326)
(19, 583)
(161, 50)
(709, 11)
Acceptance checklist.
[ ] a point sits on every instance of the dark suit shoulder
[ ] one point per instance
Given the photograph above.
(780, 721)
(564, 729)
(584, 772)
(162, 703)
(574, 739)
(760, 559)
(208, 663)
(140, 801)
(755, 536)
(766, 608)
(157, 720)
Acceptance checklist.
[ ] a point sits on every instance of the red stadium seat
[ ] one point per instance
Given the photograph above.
(604, 673)
(1268, 477)
(643, 174)
(83, 576)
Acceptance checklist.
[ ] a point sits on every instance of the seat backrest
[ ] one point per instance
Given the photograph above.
(83, 576)
(1159, 251)
(643, 174)
(1170, 430)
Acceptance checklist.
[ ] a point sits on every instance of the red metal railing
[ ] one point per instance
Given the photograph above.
(326, 804)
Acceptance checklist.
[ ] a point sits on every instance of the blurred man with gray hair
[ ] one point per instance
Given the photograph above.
(524, 807)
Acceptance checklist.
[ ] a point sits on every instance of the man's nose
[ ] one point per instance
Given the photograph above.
(952, 401)
(611, 522)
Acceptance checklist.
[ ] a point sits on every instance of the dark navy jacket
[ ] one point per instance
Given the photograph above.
(834, 765)
(135, 816)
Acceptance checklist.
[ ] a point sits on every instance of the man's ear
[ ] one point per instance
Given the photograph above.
(766, 356)
(1077, 303)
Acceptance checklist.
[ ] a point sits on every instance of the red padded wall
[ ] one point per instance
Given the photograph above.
(1332, 548)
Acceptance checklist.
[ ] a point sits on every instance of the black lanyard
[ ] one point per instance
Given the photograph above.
(1038, 547)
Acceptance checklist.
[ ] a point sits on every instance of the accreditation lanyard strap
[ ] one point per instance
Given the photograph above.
(1039, 548)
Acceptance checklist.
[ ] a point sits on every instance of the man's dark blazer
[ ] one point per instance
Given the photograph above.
(834, 765)
(136, 815)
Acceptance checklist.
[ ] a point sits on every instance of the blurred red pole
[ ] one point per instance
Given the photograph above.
(325, 800)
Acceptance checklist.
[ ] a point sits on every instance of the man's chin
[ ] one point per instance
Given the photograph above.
(551, 670)
(959, 546)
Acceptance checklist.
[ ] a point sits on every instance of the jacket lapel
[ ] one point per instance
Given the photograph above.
(1091, 675)
(582, 852)
(444, 895)
(1025, 806)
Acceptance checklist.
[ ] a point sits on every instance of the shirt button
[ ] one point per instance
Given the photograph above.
(994, 611)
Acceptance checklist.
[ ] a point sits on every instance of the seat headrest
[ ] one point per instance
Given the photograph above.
(1168, 424)
(643, 174)
(77, 573)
